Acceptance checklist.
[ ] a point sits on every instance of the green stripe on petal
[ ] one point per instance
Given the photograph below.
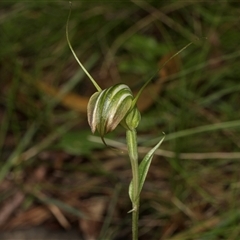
(91, 114)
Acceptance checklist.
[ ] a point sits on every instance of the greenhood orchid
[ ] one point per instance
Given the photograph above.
(113, 106)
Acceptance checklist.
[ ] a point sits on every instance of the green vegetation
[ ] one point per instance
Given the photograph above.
(55, 173)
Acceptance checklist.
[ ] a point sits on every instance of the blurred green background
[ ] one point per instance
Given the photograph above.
(55, 174)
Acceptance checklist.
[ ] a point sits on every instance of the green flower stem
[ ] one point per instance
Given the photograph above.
(135, 216)
(131, 136)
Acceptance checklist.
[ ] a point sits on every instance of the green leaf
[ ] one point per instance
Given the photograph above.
(77, 143)
(130, 192)
(143, 169)
(143, 45)
(145, 164)
(137, 66)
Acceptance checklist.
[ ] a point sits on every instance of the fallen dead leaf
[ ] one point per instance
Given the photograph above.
(10, 206)
(32, 217)
(94, 210)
